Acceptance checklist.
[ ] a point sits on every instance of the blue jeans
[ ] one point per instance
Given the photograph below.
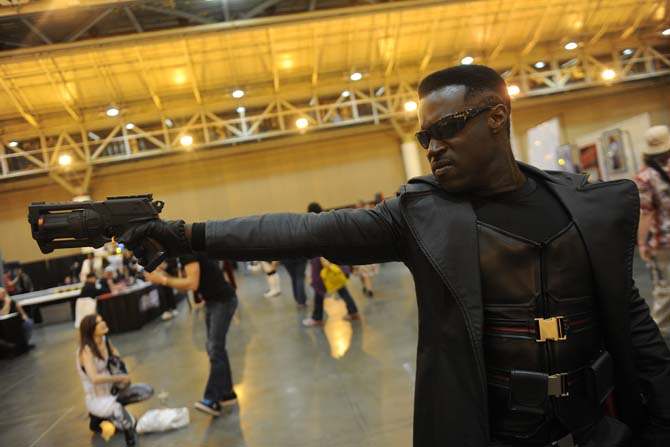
(344, 294)
(296, 270)
(218, 315)
(27, 326)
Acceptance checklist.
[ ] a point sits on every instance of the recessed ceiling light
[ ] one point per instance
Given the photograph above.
(539, 65)
(186, 140)
(240, 110)
(467, 60)
(380, 91)
(628, 51)
(93, 136)
(356, 76)
(666, 32)
(13, 144)
(130, 126)
(169, 123)
(346, 93)
(410, 106)
(301, 123)
(65, 160)
(112, 111)
(571, 46)
(608, 74)
(238, 93)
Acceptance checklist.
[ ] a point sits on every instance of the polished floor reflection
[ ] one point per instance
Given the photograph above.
(342, 385)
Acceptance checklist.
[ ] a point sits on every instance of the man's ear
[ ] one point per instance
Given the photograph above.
(498, 118)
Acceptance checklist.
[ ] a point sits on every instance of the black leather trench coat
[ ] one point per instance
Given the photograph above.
(434, 234)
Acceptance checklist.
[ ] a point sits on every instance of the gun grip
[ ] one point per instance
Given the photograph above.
(153, 253)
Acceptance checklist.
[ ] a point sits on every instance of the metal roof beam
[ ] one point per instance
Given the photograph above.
(15, 100)
(36, 30)
(133, 19)
(259, 9)
(178, 13)
(89, 25)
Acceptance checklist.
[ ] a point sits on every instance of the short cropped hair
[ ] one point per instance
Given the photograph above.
(478, 80)
(314, 208)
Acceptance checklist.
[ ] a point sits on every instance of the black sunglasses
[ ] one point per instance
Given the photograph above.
(448, 126)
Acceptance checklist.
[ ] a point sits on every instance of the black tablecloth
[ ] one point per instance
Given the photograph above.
(130, 310)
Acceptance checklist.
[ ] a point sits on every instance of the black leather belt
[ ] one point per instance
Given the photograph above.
(529, 391)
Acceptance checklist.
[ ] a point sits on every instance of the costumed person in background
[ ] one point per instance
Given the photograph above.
(653, 236)
(272, 277)
(531, 329)
(204, 277)
(106, 393)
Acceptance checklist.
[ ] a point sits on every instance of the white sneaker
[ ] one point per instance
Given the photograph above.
(272, 293)
(167, 315)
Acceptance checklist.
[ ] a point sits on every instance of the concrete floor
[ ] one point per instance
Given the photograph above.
(343, 385)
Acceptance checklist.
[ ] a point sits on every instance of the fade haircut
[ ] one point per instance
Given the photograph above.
(478, 80)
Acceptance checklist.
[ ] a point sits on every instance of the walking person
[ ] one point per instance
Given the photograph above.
(296, 271)
(653, 183)
(204, 277)
(319, 287)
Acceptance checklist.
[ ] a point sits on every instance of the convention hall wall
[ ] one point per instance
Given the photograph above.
(335, 168)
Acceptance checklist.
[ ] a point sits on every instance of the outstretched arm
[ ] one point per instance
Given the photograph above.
(359, 236)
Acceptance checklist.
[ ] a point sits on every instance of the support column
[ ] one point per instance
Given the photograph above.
(410, 158)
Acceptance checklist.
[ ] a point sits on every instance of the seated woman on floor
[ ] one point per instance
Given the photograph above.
(106, 394)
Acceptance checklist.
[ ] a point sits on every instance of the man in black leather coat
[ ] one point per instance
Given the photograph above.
(531, 330)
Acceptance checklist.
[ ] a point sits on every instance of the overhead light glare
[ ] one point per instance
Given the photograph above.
(301, 123)
(130, 126)
(513, 90)
(666, 32)
(571, 46)
(93, 136)
(380, 91)
(169, 123)
(410, 106)
(627, 52)
(539, 65)
(238, 93)
(240, 110)
(186, 140)
(608, 74)
(467, 60)
(13, 144)
(356, 76)
(65, 160)
(346, 93)
(112, 111)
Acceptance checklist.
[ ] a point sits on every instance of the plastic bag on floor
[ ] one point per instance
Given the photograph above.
(163, 419)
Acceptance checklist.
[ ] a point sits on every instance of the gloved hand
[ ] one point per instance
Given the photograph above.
(168, 233)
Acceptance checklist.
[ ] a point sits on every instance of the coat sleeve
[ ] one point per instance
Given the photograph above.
(348, 236)
(652, 361)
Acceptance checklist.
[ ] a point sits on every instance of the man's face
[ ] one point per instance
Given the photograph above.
(457, 162)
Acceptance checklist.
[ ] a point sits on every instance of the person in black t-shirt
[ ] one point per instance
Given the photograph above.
(204, 277)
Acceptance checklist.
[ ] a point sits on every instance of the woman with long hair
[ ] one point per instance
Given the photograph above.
(92, 365)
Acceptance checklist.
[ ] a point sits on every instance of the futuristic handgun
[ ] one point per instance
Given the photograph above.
(92, 224)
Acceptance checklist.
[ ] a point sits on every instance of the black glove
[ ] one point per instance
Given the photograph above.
(169, 234)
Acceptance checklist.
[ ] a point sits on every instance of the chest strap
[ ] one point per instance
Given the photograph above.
(553, 328)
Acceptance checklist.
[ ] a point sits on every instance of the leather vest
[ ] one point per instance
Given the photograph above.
(524, 285)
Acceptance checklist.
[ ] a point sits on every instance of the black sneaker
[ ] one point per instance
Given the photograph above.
(208, 406)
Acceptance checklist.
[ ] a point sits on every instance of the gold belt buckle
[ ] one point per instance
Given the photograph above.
(550, 329)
